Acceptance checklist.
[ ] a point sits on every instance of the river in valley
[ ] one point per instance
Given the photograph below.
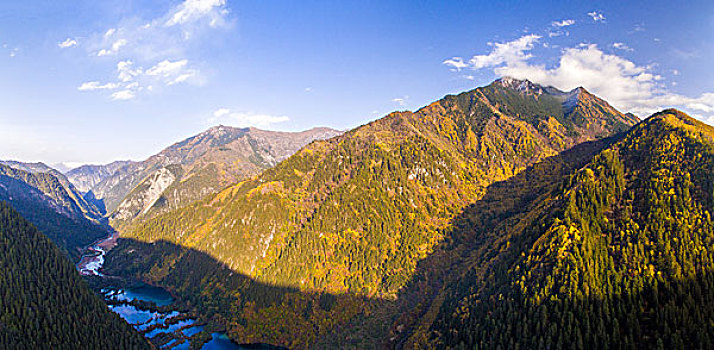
(149, 309)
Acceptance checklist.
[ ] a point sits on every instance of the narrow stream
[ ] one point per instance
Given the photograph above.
(165, 328)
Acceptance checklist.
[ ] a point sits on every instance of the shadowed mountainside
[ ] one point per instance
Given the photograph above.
(42, 199)
(618, 255)
(356, 214)
(53, 184)
(506, 273)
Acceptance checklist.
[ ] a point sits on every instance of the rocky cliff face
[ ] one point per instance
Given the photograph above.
(86, 177)
(188, 170)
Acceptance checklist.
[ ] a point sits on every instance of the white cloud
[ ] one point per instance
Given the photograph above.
(113, 49)
(401, 101)
(195, 10)
(172, 72)
(95, 85)
(512, 51)
(132, 79)
(167, 68)
(563, 23)
(124, 95)
(597, 16)
(623, 83)
(69, 42)
(456, 62)
(622, 46)
(163, 36)
(159, 44)
(126, 72)
(109, 32)
(243, 119)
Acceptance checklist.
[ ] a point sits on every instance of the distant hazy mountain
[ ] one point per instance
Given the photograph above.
(64, 193)
(51, 202)
(86, 177)
(357, 215)
(61, 167)
(188, 170)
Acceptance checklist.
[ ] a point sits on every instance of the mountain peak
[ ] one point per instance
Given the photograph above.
(521, 85)
(527, 86)
(677, 118)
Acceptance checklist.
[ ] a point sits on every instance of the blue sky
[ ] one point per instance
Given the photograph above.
(89, 81)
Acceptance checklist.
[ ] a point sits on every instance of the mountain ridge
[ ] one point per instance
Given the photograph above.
(618, 240)
(354, 214)
(189, 169)
(54, 206)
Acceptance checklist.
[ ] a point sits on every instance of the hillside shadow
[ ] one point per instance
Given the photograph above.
(91, 198)
(257, 312)
(70, 234)
(475, 232)
(243, 307)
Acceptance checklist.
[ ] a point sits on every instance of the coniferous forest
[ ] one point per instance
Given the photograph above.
(621, 259)
(44, 303)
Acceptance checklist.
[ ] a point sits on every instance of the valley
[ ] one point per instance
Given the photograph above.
(399, 233)
(391, 175)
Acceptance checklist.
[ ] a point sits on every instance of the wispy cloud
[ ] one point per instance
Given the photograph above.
(625, 84)
(622, 46)
(596, 16)
(456, 63)
(113, 49)
(509, 52)
(160, 44)
(124, 95)
(563, 23)
(132, 79)
(191, 11)
(95, 85)
(244, 119)
(69, 42)
(401, 101)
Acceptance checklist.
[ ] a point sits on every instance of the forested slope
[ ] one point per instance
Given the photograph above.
(618, 256)
(44, 200)
(353, 215)
(44, 303)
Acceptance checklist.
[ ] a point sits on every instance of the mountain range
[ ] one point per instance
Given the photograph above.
(188, 170)
(46, 198)
(513, 215)
(354, 217)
